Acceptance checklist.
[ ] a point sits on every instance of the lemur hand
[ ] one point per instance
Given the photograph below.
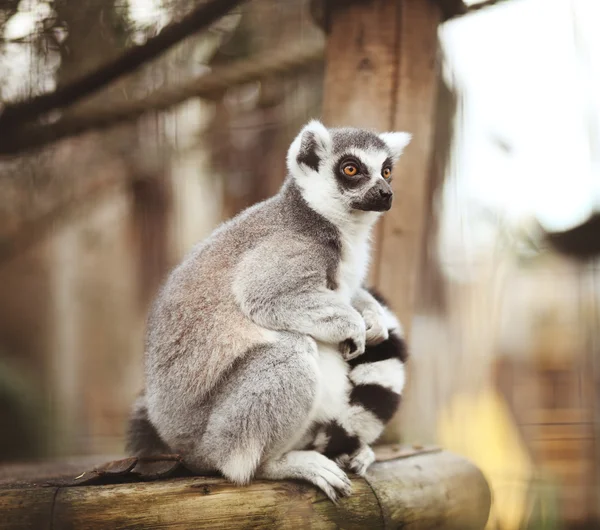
(376, 329)
(354, 345)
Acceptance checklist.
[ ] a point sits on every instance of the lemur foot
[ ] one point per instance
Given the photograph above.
(312, 467)
(377, 330)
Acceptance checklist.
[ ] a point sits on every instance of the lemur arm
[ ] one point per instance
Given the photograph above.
(284, 288)
(373, 315)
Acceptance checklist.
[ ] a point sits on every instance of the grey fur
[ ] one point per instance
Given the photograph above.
(142, 437)
(346, 138)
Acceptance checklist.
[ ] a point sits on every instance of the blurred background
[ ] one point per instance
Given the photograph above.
(505, 325)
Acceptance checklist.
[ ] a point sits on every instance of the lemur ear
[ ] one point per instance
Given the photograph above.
(309, 149)
(396, 141)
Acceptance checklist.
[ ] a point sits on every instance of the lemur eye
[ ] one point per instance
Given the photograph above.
(350, 170)
(387, 173)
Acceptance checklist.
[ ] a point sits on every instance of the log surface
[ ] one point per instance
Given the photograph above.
(430, 490)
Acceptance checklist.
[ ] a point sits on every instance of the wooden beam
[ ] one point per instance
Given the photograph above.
(362, 65)
(433, 490)
(414, 111)
(451, 8)
(382, 73)
(361, 72)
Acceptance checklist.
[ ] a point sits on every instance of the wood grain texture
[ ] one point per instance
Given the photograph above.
(27, 508)
(385, 452)
(428, 490)
(361, 59)
(435, 490)
(211, 503)
(361, 74)
(414, 104)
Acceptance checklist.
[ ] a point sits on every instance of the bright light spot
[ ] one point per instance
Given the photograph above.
(19, 60)
(524, 82)
(148, 13)
(19, 26)
(23, 23)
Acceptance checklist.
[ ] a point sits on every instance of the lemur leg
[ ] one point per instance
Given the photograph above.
(264, 407)
(339, 443)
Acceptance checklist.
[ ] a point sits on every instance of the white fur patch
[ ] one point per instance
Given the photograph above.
(354, 263)
(396, 141)
(242, 463)
(364, 423)
(320, 442)
(321, 192)
(389, 374)
(334, 385)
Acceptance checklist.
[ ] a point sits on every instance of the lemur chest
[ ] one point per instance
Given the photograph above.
(334, 385)
(353, 266)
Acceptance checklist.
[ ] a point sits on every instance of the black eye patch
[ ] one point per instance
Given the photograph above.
(388, 162)
(351, 181)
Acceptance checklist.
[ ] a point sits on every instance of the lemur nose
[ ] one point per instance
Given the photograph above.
(386, 194)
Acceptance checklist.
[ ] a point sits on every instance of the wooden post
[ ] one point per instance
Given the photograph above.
(382, 74)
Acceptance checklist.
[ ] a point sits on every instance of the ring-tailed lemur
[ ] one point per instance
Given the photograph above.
(374, 391)
(243, 340)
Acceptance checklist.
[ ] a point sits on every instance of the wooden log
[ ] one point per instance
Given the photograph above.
(430, 490)
(436, 490)
(27, 509)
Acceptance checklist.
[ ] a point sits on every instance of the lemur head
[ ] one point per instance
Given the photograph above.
(346, 171)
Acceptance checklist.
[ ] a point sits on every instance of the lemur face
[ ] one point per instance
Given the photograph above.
(362, 167)
(345, 170)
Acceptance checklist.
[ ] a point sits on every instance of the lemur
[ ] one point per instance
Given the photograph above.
(242, 356)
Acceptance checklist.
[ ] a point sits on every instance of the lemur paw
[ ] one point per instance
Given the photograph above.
(326, 475)
(358, 462)
(354, 345)
(376, 329)
(312, 467)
